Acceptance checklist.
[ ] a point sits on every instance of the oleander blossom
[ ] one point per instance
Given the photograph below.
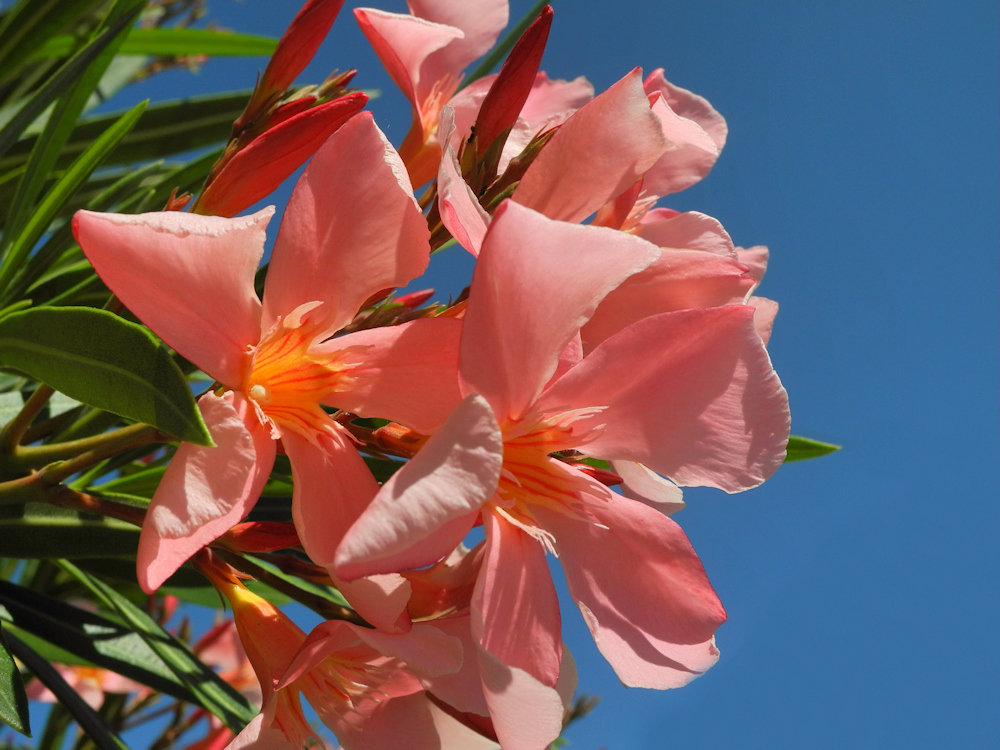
(191, 280)
(689, 393)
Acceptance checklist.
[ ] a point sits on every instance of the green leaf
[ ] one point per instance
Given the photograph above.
(174, 42)
(13, 700)
(44, 531)
(141, 483)
(214, 694)
(61, 192)
(165, 128)
(30, 23)
(56, 85)
(88, 719)
(105, 361)
(59, 629)
(383, 468)
(505, 45)
(801, 449)
(302, 584)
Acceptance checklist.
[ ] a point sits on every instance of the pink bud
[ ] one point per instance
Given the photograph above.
(510, 90)
(298, 44)
(253, 172)
(603, 476)
(414, 299)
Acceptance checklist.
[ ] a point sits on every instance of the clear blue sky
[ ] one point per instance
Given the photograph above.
(863, 149)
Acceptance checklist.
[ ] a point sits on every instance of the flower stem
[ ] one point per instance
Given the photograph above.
(10, 436)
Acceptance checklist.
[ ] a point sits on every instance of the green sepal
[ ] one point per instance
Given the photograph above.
(801, 449)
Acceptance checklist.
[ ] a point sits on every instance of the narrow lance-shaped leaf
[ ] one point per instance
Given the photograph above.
(62, 120)
(800, 449)
(56, 85)
(214, 694)
(13, 700)
(174, 42)
(31, 23)
(88, 719)
(104, 361)
(43, 531)
(61, 192)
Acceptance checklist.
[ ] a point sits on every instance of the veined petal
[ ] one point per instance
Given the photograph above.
(642, 591)
(689, 105)
(205, 491)
(408, 373)
(677, 280)
(691, 230)
(765, 310)
(403, 42)
(646, 486)
(189, 278)
(344, 239)
(692, 156)
(536, 283)
(515, 611)
(480, 22)
(691, 394)
(426, 508)
(596, 154)
(512, 695)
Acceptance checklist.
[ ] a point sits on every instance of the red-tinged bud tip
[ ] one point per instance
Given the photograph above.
(603, 476)
(256, 170)
(510, 90)
(261, 536)
(298, 44)
(414, 299)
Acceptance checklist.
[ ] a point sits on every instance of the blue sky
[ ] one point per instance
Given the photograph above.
(863, 150)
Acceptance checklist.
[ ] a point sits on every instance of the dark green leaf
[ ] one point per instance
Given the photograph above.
(61, 192)
(800, 449)
(13, 700)
(88, 638)
(302, 584)
(214, 694)
(383, 468)
(44, 531)
(30, 24)
(104, 361)
(165, 128)
(88, 719)
(142, 483)
(65, 77)
(174, 42)
(504, 46)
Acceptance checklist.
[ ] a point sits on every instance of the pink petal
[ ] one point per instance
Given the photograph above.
(596, 154)
(332, 488)
(426, 508)
(515, 612)
(343, 239)
(454, 735)
(765, 311)
(464, 689)
(205, 491)
(403, 42)
(678, 280)
(756, 258)
(550, 98)
(646, 486)
(189, 278)
(460, 210)
(689, 105)
(513, 695)
(642, 590)
(688, 231)
(568, 678)
(480, 22)
(688, 161)
(379, 599)
(258, 169)
(407, 373)
(691, 394)
(256, 736)
(426, 649)
(528, 264)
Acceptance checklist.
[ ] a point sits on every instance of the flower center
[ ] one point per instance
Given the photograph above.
(531, 478)
(430, 108)
(290, 378)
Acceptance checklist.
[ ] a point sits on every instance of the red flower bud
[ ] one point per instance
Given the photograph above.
(255, 171)
(603, 476)
(261, 536)
(298, 44)
(414, 299)
(510, 90)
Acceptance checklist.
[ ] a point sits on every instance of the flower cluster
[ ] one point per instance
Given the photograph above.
(602, 342)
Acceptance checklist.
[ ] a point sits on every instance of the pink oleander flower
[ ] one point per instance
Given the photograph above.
(352, 228)
(690, 394)
(425, 54)
(91, 683)
(364, 684)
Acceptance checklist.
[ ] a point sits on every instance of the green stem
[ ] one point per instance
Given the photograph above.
(11, 435)
(79, 454)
